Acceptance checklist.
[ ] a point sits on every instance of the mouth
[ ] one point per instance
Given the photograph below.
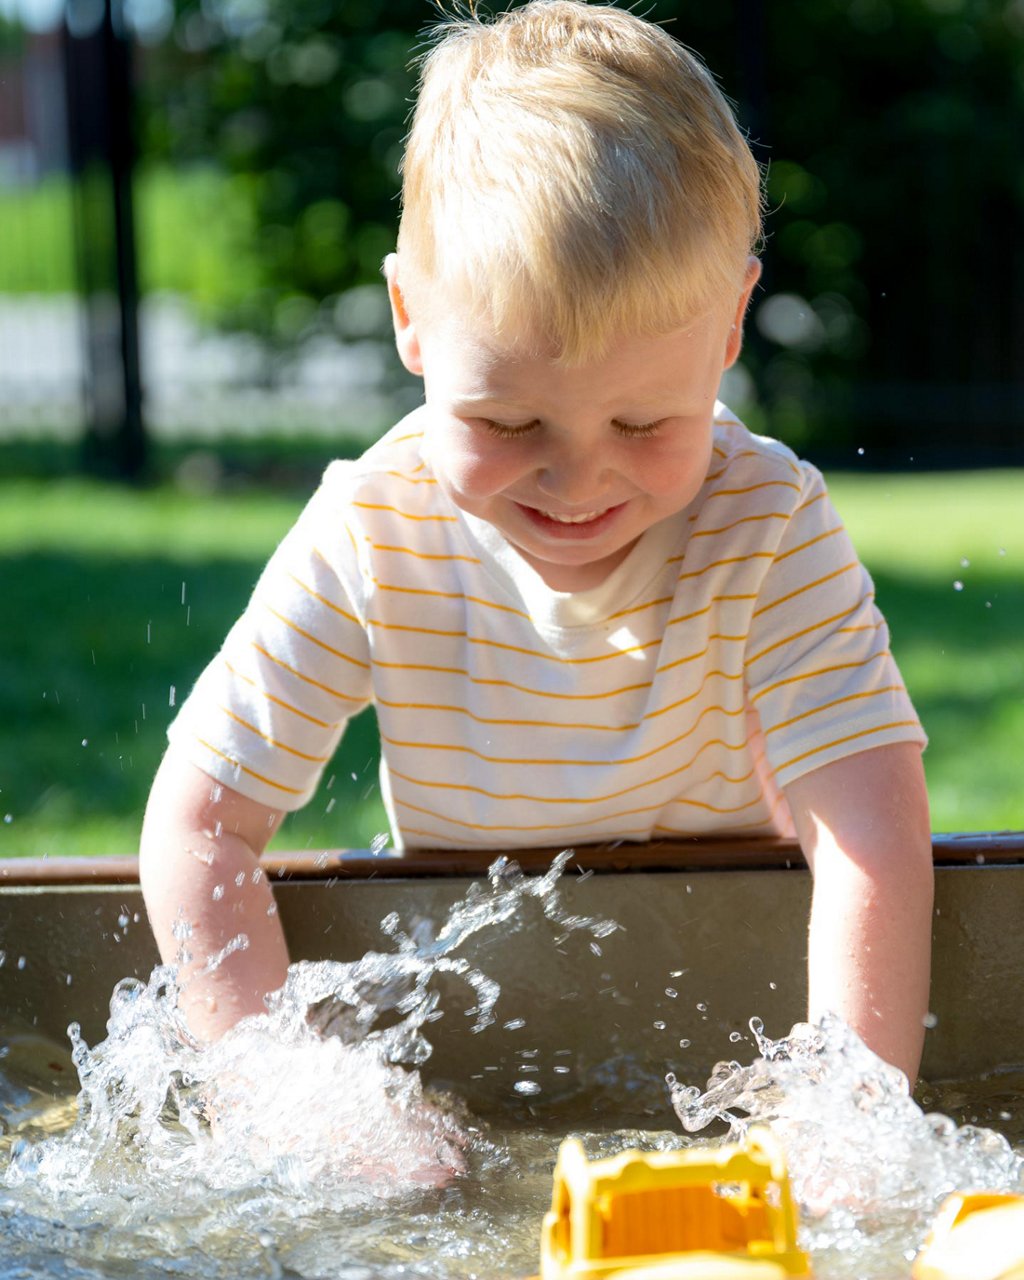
(569, 523)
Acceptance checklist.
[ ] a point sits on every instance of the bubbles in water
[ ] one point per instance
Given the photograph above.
(527, 1087)
(735, 1036)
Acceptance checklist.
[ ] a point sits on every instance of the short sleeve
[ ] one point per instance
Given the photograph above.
(268, 712)
(819, 671)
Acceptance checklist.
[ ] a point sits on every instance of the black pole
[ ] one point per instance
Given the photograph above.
(101, 143)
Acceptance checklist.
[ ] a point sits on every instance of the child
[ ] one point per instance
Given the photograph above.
(585, 601)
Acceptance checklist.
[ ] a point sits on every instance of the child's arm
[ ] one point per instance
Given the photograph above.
(198, 839)
(864, 828)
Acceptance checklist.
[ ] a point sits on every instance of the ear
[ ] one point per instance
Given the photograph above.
(734, 342)
(406, 339)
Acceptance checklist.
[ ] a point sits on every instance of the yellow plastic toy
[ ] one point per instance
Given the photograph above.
(975, 1237)
(709, 1214)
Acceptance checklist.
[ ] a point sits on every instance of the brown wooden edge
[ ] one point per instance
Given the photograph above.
(966, 849)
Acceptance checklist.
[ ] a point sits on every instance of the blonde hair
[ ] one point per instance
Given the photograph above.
(572, 172)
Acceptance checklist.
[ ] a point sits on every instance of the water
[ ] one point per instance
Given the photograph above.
(305, 1145)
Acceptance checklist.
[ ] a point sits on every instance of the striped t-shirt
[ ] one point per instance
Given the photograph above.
(737, 647)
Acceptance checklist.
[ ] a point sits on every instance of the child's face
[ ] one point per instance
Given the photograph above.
(571, 465)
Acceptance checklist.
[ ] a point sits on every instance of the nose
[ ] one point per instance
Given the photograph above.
(573, 472)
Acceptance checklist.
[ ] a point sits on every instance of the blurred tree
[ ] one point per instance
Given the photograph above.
(892, 310)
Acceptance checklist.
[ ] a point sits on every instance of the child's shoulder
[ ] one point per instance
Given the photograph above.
(743, 461)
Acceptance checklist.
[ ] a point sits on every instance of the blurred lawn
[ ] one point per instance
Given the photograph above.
(114, 599)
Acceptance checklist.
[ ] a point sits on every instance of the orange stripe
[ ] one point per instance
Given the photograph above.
(349, 617)
(406, 515)
(825, 622)
(850, 737)
(809, 586)
(717, 564)
(512, 648)
(561, 826)
(307, 635)
(822, 671)
(498, 795)
(400, 475)
(326, 688)
(236, 764)
(422, 555)
(753, 488)
(508, 684)
(529, 724)
(413, 435)
(279, 702)
(277, 745)
(768, 515)
(836, 702)
(448, 595)
(691, 657)
(829, 533)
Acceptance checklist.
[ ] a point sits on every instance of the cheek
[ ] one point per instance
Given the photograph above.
(475, 468)
(676, 471)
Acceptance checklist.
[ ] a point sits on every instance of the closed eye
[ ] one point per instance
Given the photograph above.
(508, 430)
(637, 430)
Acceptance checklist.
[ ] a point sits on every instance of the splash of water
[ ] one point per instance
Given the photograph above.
(312, 1099)
(866, 1163)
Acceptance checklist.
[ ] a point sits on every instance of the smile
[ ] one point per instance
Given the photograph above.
(584, 517)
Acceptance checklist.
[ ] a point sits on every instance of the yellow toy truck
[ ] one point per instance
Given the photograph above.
(710, 1214)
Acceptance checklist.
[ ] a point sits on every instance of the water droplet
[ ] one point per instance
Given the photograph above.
(218, 892)
(562, 1071)
(659, 1025)
(202, 855)
(85, 742)
(1002, 551)
(239, 879)
(379, 843)
(689, 888)
(671, 992)
(596, 949)
(861, 451)
(735, 1036)
(964, 563)
(124, 920)
(930, 1020)
(701, 1007)
(171, 697)
(684, 1044)
(272, 909)
(514, 1024)
(8, 817)
(958, 585)
(773, 986)
(527, 1087)
(22, 962)
(330, 804)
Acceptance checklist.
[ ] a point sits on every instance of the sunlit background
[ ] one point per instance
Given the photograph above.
(195, 198)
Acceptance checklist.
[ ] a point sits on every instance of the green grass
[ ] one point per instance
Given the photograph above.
(194, 231)
(112, 596)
